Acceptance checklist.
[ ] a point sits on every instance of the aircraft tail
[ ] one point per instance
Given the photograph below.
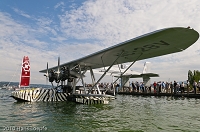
(147, 81)
(147, 74)
(146, 67)
(25, 73)
(123, 66)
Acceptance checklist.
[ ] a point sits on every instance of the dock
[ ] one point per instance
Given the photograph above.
(185, 95)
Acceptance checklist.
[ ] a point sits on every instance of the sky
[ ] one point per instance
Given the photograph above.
(72, 29)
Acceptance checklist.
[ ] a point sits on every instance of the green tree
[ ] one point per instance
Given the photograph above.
(190, 77)
(195, 76)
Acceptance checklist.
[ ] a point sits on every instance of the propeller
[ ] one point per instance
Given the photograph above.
(47, 74)
(57, 78)
(51, 76)
(62, 74)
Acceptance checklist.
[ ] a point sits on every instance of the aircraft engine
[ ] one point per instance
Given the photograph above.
(52, 76)
(61, 74)
(57, 77)
(64, 73)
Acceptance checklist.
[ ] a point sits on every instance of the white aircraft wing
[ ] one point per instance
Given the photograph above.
(145, 74)
(116, 71)
(157, 43)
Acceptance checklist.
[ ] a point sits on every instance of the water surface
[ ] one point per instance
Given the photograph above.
(126, 113)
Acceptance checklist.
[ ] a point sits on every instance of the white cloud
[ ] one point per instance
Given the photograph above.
(59, 4)
(94, 26)
(112, 22)
(16, 41)
(22, 13)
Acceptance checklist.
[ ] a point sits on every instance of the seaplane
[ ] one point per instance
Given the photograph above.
(160, 42)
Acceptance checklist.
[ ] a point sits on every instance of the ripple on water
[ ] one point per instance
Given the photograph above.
(126, 113)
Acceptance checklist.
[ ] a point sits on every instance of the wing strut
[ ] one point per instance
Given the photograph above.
(93, 81)
(127, 69)
(107, 71)
(81, 76)
(76, 80)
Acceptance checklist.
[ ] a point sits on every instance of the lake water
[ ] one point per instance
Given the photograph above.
(126, 113)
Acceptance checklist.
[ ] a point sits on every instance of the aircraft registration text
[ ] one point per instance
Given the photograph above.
(145, 48)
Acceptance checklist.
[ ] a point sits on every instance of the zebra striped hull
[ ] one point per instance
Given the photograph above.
(39, 94)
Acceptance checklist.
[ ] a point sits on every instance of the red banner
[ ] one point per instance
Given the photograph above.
(25, 72)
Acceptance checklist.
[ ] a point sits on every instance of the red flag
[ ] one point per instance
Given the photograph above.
(25, 72)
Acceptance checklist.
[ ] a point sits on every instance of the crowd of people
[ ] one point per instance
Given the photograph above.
(156, 87)
(165, 87)
(159, 87)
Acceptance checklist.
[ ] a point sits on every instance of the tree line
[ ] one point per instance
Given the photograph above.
(193, 76)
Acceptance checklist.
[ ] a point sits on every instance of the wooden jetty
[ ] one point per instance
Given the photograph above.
(186, 95)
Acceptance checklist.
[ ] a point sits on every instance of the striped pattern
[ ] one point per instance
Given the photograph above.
(90, 101)
(39, 94)
(92, 98)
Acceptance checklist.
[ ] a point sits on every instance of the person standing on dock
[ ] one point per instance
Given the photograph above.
(198, 85)
(163, 87)
(188, 84)
(175, 87)
(142, 87)
(167, 86)
(154, 86)
(195, 87)
(138, 86)
(182, 87)
(133, 86)
(117, 88)
(171, 87)
(158, 87)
